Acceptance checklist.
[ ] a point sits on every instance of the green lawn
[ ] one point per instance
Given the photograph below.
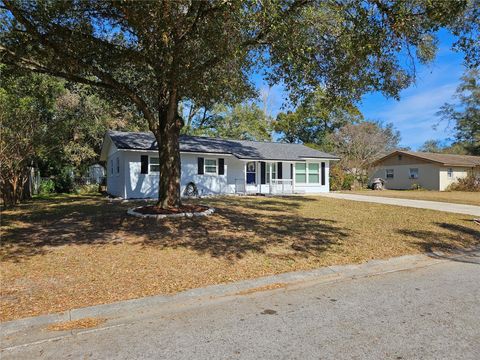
(72, 251)
(458, 197)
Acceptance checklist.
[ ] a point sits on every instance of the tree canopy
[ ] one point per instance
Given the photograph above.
(465, 113)
(316, 118)
(245, 121)
(158, 53)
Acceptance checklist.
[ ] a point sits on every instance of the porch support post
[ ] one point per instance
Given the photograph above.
(293, 178)
(245, 177)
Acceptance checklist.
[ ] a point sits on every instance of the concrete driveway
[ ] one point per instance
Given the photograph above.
(426, 312)
(422, 204)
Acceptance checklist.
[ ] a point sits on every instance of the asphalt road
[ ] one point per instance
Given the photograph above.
(426, 313)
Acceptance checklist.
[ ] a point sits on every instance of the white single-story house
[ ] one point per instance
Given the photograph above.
(432, 171)
(215, 166)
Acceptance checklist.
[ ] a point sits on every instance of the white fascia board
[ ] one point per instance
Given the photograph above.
(319, 159)
(181, 152)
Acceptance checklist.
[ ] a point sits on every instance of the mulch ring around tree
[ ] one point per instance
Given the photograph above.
(159, 213)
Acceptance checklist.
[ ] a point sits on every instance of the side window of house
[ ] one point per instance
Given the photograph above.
(118, 165)
(414, 173)
(154, 164)
(450, 172)
(389, 173)
(210, 166)
(111, 166)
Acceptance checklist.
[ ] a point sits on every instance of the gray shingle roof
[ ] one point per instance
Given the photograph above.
(241, 149)
(444, 159)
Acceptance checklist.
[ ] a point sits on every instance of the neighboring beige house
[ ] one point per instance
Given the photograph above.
(402, 169)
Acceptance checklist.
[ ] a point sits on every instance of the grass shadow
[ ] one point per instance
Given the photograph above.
(448, 238)
(239, 226)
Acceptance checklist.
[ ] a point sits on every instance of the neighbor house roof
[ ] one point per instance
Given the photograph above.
(443, 159)
(242, 149)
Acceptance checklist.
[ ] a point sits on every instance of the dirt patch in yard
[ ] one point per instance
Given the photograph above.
(73, 251)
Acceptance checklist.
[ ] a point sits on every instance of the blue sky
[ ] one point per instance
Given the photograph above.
(414, 114)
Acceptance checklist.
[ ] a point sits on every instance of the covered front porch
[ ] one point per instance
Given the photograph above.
(266, 177)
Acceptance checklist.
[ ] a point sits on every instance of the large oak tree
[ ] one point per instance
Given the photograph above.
(156, 54)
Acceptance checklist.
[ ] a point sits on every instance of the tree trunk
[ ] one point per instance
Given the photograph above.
(168, 136)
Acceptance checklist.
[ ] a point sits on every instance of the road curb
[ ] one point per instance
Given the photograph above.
(19, 332)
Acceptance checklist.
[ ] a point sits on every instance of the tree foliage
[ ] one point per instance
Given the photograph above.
(358, 145)
(159, 53)
(51, 125)
(316, 118)
(26, 109)
(246, 121)
(465, 113)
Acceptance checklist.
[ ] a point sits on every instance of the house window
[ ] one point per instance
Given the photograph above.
(271, 170)
(450, 173)
(389, 173)
(414, 173)
(251, 172)
(313, 175)
(154, 164)
(307, 173)
(118, 165)
(301, 173)
(111, 166)
(210, 166)
(400, 157)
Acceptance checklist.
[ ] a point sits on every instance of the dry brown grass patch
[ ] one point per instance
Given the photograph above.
(85, 323)
(262, 288)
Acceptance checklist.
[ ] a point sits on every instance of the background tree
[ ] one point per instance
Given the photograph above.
(316, 118)
(162, 52)
(53, 126)
(437, 146)
(26, 109)
(245, 121)
(465, 113)
(358, 145)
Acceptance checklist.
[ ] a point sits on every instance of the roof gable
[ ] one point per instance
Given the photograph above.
(241, 149)
(441, 159)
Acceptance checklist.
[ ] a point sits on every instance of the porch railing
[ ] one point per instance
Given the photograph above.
(281, 186)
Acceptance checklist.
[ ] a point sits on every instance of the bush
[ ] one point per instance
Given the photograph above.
(47, 186)
(416, 187)
(468, 183)
(64, 181)
(87, 189)
(340, 179)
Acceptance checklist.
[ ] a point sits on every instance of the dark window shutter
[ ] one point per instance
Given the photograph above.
(262, 172)
(200, 165)
(144, 166)
(323, 173)
(279, 170)
(221, 166)
(291, 171)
